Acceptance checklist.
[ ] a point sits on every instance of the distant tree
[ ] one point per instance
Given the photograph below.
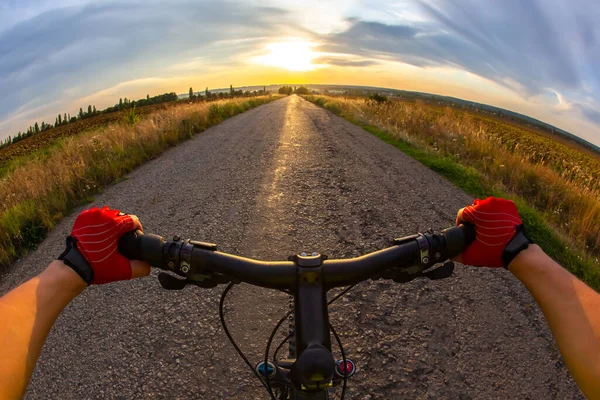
(206, 93)
(377, 98)
(147, 97)
(191, 94)
(80, 113)
(56, 123)
(264, 90)
(286, 90)
(37, 128)
(65, 120)
(302, 90)
(94, 110)
(59, 120)
(231, 92)
(120, 103)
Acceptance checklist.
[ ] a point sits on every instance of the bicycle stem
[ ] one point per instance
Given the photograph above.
(315, 367)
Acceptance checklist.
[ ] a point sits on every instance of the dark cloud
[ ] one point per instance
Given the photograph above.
(592, 114)
(514, 40)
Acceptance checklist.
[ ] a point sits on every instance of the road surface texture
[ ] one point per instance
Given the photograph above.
(287, 177)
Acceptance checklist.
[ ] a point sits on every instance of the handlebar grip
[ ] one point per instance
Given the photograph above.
(458, 238)
(136, 245)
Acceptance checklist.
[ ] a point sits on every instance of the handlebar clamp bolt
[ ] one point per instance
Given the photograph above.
(185, 269)
(176, 238)
(425, 260)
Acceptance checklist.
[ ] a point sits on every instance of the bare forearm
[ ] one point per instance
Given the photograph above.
(27, 314)
(572, 310)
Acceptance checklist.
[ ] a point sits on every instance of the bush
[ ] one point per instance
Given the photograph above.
(131, 117)
(334, 108)
(378, 98)
(302, 90)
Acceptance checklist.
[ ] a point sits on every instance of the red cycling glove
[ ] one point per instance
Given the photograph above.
(95, 234)
(496, 222)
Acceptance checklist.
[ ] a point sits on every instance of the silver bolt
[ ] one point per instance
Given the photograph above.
(303, 254)
(438, 254)
(314, 254)
(425, 260)
(185, 269)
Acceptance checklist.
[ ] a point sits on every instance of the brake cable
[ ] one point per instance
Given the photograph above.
(266, 382)
(235, 346)
(273, 333)
(288, 337)
(339, 342)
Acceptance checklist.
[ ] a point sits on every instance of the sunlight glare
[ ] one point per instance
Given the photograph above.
(293, 55)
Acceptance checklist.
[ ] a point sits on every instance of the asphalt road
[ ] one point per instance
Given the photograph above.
(282, 178)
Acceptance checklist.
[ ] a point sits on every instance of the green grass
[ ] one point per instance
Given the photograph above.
(478, 185)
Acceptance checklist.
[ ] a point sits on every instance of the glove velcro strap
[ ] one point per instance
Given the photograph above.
(518, 243)
(74, 259)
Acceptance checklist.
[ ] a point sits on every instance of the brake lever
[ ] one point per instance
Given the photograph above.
(409, 274)
(443, 272)
(206, 281)
(169, 282)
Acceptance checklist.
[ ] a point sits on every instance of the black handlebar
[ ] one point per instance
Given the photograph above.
(146, 247)
(202, 264)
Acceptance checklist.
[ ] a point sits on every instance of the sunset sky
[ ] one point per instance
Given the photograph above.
(540, 58)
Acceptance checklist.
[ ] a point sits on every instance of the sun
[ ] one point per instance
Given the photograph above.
(293, 55)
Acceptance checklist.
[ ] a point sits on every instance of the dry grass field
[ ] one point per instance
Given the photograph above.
(560, 182)
(39, 190)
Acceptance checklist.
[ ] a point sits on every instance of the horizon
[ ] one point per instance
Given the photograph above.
(539, 59)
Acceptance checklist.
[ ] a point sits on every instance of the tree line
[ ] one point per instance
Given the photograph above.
(91, 111)
(125, 104)
(287, 90)
(220, 95)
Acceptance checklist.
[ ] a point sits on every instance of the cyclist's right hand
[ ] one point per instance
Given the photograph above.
(496, 222)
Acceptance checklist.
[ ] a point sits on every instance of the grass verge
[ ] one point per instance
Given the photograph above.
(557, 245)
(38, 192)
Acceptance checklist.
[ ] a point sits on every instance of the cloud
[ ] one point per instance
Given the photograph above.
(526, 53)
(344, 62)
(592, 113)
(524, 46)
(62, 54)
